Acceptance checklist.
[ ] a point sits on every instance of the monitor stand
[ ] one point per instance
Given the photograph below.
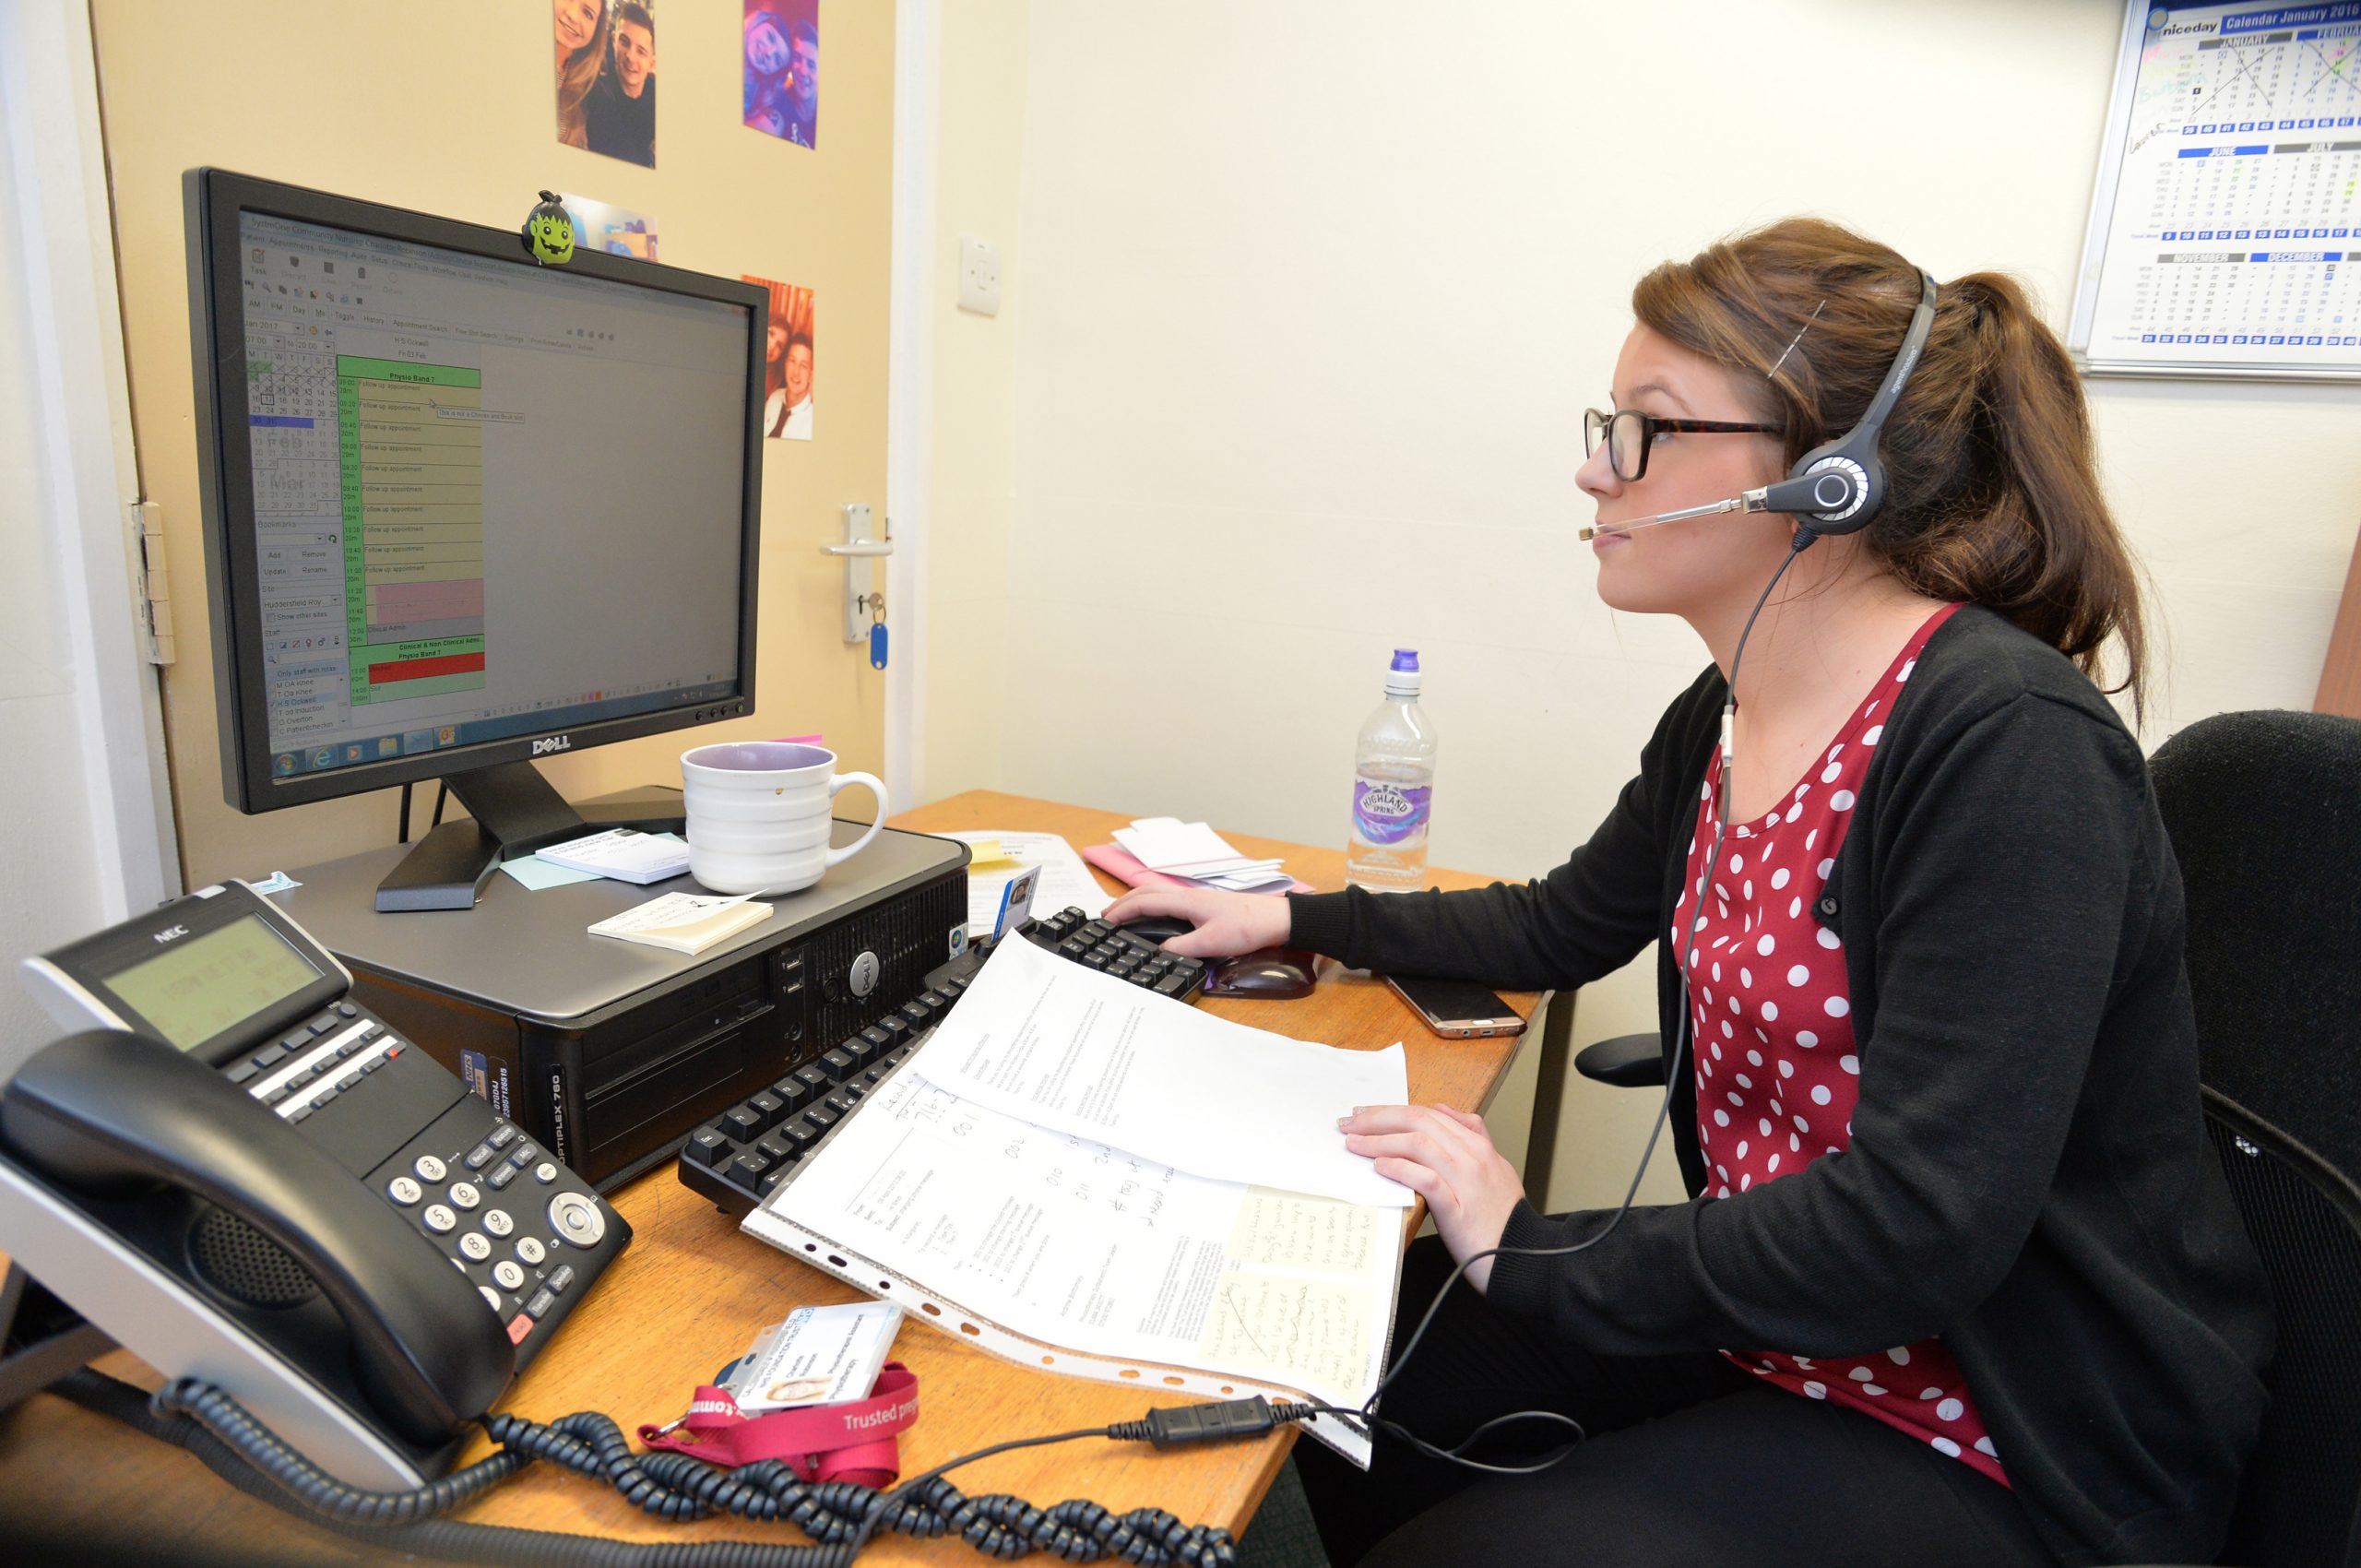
(513, 811)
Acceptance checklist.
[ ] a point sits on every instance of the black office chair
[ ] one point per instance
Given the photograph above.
(2264, 813)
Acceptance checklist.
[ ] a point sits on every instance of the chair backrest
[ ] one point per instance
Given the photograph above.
(2264, 813)
(2300, 1502)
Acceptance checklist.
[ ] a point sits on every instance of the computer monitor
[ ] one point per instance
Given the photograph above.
(462, 509)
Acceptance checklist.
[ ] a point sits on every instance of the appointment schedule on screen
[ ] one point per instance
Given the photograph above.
(488, 500)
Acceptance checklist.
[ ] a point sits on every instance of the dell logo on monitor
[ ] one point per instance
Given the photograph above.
(553, 744)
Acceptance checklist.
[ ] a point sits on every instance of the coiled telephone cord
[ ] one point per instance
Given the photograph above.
(839, 1516)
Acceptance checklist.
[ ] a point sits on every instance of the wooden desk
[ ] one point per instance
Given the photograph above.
(688, 1294)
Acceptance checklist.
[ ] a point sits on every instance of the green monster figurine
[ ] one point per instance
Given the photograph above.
(549, 233)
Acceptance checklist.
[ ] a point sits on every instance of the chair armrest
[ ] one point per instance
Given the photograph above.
(1629, 1061)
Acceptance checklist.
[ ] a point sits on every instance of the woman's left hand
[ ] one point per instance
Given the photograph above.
(1446, 1157)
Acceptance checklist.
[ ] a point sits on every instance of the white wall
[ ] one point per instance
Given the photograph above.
(979, 122)
(49, 859)
(1312, 297)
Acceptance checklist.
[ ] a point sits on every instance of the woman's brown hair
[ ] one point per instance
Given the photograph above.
(576, 78)
(1992, 493)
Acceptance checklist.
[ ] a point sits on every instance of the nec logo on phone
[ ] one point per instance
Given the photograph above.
(169, 935)
(554, 744)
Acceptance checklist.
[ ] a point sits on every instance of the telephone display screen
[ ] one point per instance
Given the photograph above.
(195, 990)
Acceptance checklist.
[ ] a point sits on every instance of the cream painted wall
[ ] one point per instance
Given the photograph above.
(446, 106)
(1311, 299)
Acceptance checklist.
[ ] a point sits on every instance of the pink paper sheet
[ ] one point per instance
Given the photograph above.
(1125, 868)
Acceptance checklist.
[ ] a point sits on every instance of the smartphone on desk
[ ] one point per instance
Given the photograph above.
(1456, 1009)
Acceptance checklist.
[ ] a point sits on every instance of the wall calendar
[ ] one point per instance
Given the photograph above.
(2225, 216)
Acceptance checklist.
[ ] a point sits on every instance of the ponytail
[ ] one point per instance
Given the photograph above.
(1993, 495)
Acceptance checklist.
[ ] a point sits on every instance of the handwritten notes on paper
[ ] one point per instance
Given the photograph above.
(1074, 1242)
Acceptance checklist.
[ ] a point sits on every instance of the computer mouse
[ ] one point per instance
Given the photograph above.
(1158, 928)
(1274, 974)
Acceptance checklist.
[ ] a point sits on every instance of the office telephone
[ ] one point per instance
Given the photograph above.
(243, 1177)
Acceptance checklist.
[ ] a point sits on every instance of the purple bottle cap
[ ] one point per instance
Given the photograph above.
(1405, 658)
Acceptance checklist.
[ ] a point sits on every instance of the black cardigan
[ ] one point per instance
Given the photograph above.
(2028, 1175)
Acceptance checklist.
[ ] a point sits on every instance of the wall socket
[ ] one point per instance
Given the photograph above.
(979, 276)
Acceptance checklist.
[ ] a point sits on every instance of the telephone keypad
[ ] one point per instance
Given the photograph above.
(524, 1289)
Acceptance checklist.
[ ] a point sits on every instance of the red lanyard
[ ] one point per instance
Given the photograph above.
(852, 1442)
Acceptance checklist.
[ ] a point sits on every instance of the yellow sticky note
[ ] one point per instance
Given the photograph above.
(985, 852)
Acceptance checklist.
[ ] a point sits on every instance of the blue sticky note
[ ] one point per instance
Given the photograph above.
(537, 873)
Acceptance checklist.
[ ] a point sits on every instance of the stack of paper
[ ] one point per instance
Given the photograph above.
(624, 853)
(1074, 1172)
(1193, 851)
(685, 923)
(1000, 855)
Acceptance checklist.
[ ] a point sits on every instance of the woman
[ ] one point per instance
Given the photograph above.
(581, 28)
(1957, 1281)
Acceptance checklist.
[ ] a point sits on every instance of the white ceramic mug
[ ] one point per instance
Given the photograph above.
(758, 815)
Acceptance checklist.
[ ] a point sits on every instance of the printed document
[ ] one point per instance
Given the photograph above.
(1047, 1040)
(1070, 1242)
(1064, 879)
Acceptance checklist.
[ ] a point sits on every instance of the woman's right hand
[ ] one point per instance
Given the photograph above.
(1228, 923)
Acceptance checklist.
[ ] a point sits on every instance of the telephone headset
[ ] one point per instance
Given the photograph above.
(87, 1106)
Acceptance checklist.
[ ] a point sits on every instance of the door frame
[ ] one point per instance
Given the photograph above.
(89, 491)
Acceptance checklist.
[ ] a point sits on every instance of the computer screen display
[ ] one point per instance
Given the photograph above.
(482, 500)
(489, 499)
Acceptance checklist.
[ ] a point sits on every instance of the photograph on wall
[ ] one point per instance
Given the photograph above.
(603, 226)
(781, 64)
(787, 363)
(605, 78)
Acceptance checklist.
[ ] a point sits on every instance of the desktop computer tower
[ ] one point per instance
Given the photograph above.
(609, 1053)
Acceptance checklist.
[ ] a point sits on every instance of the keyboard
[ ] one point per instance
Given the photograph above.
(745, 1155)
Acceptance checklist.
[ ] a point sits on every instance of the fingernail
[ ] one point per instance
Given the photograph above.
(1344, 1122)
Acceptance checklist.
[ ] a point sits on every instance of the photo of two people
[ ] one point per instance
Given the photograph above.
(605, 78)
(787, 361)
(782, 69)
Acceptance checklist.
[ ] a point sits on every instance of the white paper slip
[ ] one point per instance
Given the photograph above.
(624, 853)
(1077, 1052)
(819, 1356)
(1075, 1244)
(1182, 849)
(1066, 879)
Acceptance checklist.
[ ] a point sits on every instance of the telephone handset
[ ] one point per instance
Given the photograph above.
(244, 1177)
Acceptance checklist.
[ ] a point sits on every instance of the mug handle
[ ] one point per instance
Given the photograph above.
(875, 787)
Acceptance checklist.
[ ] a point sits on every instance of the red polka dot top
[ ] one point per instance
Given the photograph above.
(1775, 1065)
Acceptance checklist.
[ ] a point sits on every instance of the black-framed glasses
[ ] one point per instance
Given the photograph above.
(1630, 433)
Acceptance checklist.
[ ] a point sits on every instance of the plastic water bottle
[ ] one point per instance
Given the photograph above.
(1393, 773)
